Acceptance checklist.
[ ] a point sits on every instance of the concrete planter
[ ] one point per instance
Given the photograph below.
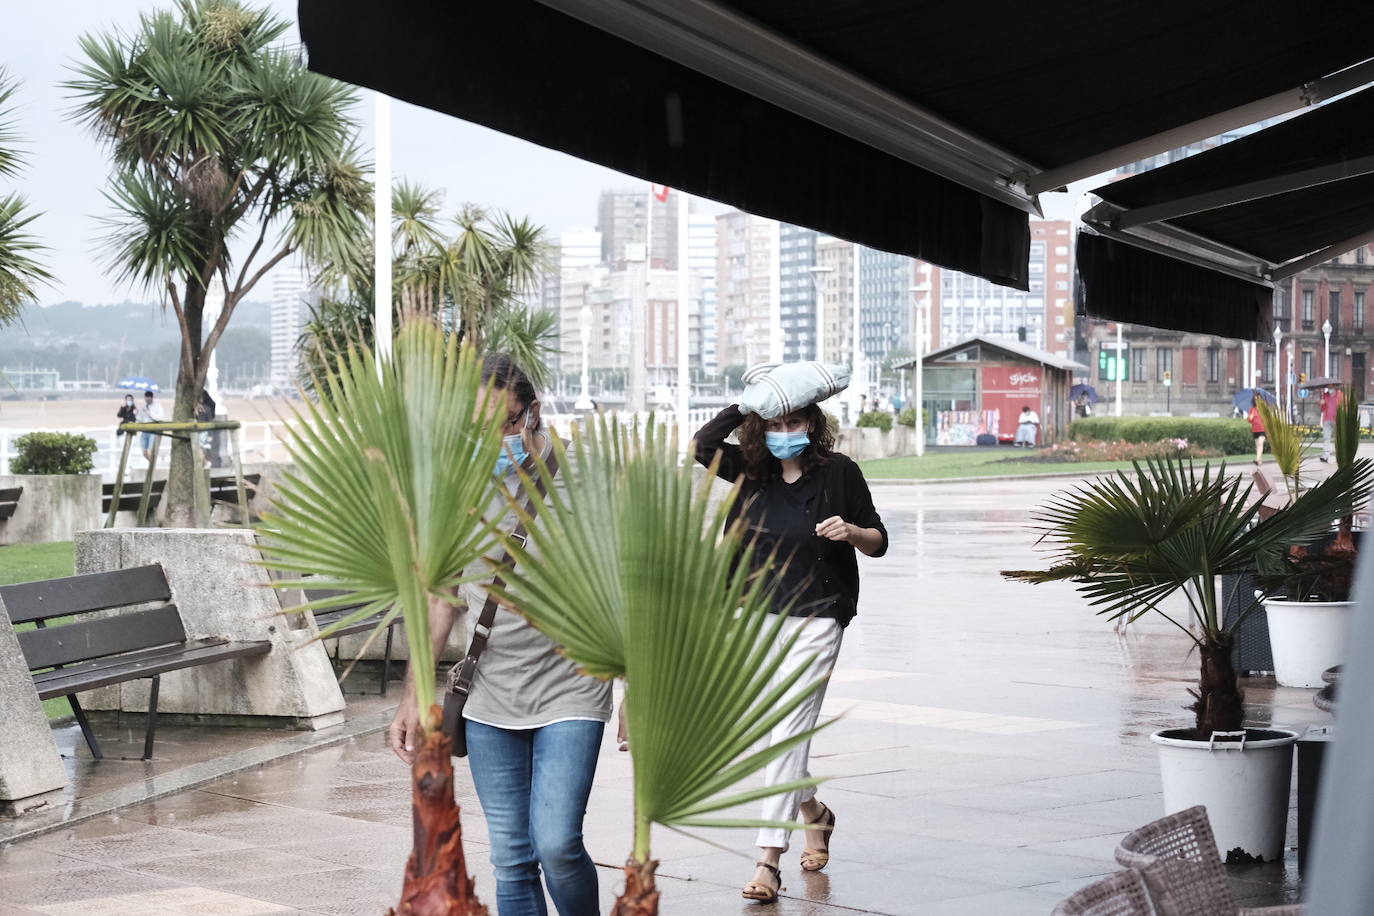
(867, 443)
(1244, 784)
(31, 772)
(1307, 637)
(54, 507)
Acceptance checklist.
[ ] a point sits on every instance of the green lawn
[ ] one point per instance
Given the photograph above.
(935, 465)
(27, 562)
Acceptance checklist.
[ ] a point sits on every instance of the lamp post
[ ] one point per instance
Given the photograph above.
(918, 376)
(584, 400)
(1326, 361)
(1278, 363)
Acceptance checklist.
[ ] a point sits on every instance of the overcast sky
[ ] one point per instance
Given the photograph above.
(67, 169)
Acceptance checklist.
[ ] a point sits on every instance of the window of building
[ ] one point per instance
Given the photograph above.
(1138, 365)
(1308, 362)
(1061, 249)
(1061, 268)
(1061, 284)
(1214, 364)
(1307, 310)
(1335, 301)
(1360, 254)
(1358, 317)
(1059, 319)
(1267, 372)
(1164, 362)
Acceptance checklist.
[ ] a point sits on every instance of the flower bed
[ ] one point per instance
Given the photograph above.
(1074, 451)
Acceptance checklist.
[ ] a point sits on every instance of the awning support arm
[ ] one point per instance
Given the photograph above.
(720, 43)
(1241, 193)
(1284, 271)
(1303, 96)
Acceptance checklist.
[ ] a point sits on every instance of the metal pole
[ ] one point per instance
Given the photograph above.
(775, 341)
(684, 371)
(1120, 370)
(381, 226)
(919, 371)
(859, 377)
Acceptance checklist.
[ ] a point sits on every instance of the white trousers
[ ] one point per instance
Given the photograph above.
(819, 637)
(1025, 433)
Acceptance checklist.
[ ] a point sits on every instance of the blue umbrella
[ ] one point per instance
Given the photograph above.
(138, 383)
(1245, 398)
(1077, 391)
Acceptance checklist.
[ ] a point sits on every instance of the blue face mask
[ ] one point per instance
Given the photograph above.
(513, 451)
(787, 445)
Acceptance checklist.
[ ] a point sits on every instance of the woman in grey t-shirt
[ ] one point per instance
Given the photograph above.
(534, 724)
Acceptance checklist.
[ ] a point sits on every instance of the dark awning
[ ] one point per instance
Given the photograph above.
(925, 129)
(1250, 213)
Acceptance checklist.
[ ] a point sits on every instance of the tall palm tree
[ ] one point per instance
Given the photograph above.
(229, 157)
(386, 503)
(20, 273)
(627, 570)
(1131, 541)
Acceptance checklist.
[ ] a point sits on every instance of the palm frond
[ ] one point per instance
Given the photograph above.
(1288, 444)
(627, 570)
(530, 336)
(1347, 428)
(391, 489)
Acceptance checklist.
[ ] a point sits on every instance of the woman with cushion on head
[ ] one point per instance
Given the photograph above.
(808, 507)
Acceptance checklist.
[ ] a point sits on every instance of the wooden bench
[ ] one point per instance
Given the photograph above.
(71, 656)
(129, 495)
(9, 501)
(325, 618)
(224, 491)
(1264, 489)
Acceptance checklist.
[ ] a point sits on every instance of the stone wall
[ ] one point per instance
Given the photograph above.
(53, 507)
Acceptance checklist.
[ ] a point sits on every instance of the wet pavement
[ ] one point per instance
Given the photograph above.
(991, 751)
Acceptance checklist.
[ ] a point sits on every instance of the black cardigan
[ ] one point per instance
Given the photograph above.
(842, 488)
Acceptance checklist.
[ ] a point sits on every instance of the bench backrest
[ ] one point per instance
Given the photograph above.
(130, 494)
(228, 486)
(9, 501)
(1262, 485)
(83, 640)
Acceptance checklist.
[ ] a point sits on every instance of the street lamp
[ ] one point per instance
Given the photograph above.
(816, 271)
(918, 376)
(1326, 332)
(584, 400)
(1278, 362)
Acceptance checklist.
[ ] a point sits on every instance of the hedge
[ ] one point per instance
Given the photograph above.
(1231, 437)
(53, 453)
(881, 419)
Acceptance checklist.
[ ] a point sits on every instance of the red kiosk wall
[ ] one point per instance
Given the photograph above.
(1007, 389)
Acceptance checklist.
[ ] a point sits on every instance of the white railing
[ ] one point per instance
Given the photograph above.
(260, 440)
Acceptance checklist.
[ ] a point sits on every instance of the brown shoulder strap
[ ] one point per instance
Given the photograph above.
(460, 677)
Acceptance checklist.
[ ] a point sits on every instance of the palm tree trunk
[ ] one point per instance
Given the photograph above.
(1218, 705)
(184, 509)
(437, 882)
(641, 896)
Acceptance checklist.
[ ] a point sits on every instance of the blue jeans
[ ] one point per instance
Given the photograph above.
(534, 785)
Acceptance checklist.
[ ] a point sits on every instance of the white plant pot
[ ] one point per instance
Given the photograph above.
(1245, 787)
(1307, 637)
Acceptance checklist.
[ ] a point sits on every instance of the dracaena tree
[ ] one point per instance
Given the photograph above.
(228, 157)
(20, 272)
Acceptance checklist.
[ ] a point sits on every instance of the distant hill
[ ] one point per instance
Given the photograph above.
(125, 325)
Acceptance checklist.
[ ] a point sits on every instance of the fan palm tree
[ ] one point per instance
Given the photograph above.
(626, 569)
(229, 157)
(1133, 541)
(386, 503)
(19, 272)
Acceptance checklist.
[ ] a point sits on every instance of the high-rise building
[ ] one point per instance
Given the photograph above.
(744, 278)
(835, 273)
(886, 315)
(798, 281)
(623, 217)
(1041, 316)
(577, 251)
(293, 295)
(701, 261)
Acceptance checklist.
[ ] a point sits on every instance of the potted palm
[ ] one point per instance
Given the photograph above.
(1133, 541)
(1309, 606)
(631, 575)
(385, 504)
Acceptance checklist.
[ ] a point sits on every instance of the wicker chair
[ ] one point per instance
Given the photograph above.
(1121, 894)
(1177, 855)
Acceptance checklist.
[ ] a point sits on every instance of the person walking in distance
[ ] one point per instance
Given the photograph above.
(533, 723)
(1027, 428)
(149, 412)
(1257, 430)
(1331, 404)
(128, 413)
(810, 508)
